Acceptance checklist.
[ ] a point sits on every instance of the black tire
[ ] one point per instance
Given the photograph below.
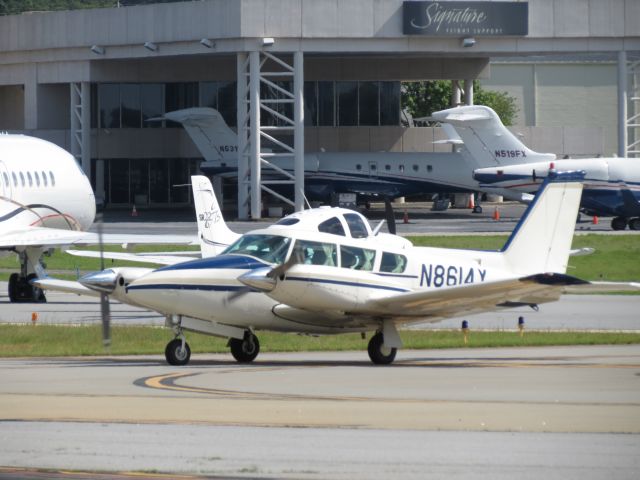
(477, 209)
(619, 223)
(377, 353)
(634, 224)
(37, 294)
(13, 287)
(174, 353)
(245, 350)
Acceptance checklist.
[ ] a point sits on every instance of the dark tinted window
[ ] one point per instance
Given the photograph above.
(356, 225)
(368, 101)
(152, 101)
(333, 225)
(389, 103)
(326, 104)
(130, 104)
(109, 100)
(347, 93)
(393, 263)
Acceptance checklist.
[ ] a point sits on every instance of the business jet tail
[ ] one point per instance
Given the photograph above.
(487, 140)
(208, 130)
(541, 242)
(213, 232)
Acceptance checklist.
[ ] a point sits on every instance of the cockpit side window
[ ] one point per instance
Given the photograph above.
(357, 258)
(393, 262)
(270, 248)
(316, 253)
(333, 225)
(356, 225)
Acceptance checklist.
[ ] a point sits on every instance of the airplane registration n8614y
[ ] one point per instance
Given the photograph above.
(325, 271)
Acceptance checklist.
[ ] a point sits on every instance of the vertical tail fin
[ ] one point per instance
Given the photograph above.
(488, 141)
(213, 232)
(541, 241)
(208, 130)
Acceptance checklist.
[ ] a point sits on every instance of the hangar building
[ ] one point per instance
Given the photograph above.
(327, 74)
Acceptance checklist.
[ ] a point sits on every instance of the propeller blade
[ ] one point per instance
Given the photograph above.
(391, 220)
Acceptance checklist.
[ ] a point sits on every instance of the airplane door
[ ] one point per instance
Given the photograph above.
(373, 169)
(5, 181)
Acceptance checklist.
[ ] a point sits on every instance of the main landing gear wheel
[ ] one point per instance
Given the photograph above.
(245, 350)
(378, 353)
(175, 354)
(634, 224)
(619, 223)
(21, 290)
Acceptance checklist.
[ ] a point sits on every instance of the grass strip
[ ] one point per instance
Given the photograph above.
(55, 340)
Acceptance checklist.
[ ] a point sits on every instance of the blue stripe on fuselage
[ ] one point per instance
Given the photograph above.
(233, 262)
(348, 284)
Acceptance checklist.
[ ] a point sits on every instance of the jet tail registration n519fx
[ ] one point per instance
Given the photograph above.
(324, 271)
(46, 201)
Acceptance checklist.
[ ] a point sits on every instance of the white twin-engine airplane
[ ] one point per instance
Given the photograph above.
(324, 271)
(46, 202)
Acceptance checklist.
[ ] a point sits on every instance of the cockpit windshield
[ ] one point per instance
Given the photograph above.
(270, 248)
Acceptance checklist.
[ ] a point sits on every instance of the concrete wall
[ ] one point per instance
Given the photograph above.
(351, 25)
(567, 95)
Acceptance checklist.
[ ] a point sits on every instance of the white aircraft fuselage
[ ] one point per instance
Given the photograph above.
(42, 185)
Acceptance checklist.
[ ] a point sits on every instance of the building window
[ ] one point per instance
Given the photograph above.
(368, 103)
(221, 96)
(109, 102)
(178, 96)
(151, 103)
(389, 103)
(326, 104)
(347, 94)
(130, 114)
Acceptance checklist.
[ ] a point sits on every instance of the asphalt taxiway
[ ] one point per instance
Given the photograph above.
(556, 412)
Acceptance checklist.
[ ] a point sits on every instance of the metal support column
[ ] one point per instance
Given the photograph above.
(254, 128)
(622, 103)
(298, 132)
(80, 101)
(633, 105)
(242, 64)
(468, 92)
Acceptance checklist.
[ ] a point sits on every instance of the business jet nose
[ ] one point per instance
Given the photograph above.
(103, 281)
(258, 279)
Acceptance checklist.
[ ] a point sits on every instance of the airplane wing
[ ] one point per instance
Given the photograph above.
(158, 258)
(604, 287)
(475, 298)
(53, 237)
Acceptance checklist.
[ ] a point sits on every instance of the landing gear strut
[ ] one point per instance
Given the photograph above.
(245, 350)
(378, 353)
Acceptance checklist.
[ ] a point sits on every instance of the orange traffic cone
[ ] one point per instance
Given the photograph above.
(471, 204)
(496, 214)
(405, 218)
(595, 220)
(134, 212)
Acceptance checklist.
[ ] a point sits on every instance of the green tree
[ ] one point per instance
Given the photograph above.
(421, 99)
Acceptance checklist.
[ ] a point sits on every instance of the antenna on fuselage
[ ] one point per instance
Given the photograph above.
(305, 199)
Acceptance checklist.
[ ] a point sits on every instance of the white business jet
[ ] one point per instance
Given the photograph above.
(324, 271)
(370, 174)
(46, 202)
(611, 185)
